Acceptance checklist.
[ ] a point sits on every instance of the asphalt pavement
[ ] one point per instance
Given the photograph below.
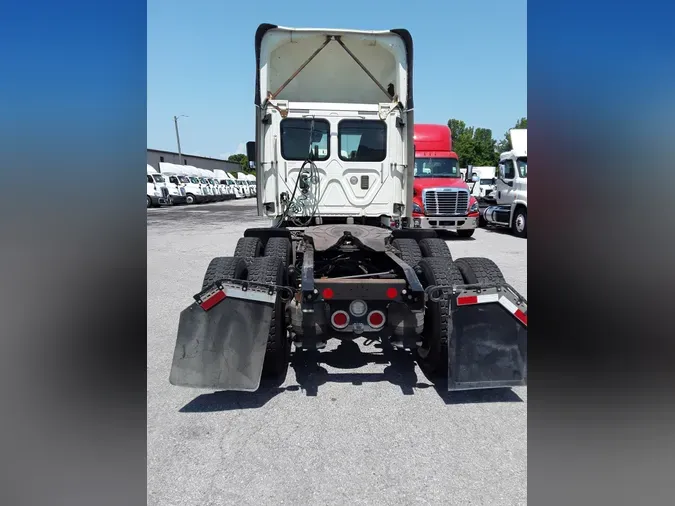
(363, 427)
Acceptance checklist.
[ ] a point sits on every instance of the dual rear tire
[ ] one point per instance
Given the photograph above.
(434, 266)
(260, 269)
(249, 248)
(412, 252)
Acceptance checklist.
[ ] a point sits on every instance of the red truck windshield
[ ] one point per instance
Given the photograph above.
(436, 167)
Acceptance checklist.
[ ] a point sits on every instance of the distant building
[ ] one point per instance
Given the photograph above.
(155, 156)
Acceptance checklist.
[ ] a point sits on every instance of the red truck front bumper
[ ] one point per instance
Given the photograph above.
(446, 222)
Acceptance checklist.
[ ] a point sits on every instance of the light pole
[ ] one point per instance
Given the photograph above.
(175, 122)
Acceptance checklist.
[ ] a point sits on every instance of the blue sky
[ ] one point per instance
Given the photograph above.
(470, 62)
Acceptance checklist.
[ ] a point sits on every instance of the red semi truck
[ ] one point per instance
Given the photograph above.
(441, 197)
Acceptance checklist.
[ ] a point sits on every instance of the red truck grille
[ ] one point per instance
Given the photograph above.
(446, 202)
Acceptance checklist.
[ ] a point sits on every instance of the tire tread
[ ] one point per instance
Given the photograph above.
(435, 247)
(223, 267)
(479, 270)
(409, 249)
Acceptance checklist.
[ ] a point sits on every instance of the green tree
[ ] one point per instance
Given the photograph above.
(241, 160)
(505, 144)
(462, 141)
(474, 146)
(485, 153)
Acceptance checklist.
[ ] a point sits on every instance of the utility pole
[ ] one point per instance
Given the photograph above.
(175, 121)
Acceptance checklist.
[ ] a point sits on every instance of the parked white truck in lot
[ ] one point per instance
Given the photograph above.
(251, 184)
(157, 191)
(233, 181)
(242, 181)
(510, 193)
(177, 192)
(486, 183)
(184, 174)
(225, 183)
(334, 157)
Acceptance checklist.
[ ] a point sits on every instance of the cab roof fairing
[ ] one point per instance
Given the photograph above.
(396, 43)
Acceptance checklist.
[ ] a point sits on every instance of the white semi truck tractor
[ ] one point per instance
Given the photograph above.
(334, 159)
(510, 188)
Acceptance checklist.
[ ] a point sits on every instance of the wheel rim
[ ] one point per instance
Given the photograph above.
(189, 200)
(520, 223)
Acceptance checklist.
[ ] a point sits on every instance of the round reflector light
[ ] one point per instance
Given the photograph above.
(376, 319)
(340, 319)
(358, 308)
(392, 293)
(328, 293)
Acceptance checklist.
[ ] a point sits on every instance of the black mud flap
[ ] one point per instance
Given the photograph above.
(222, 338)
(488, 347)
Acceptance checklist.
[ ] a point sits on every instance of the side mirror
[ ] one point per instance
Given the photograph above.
(474, 178)
(501, 171)
(250, 152)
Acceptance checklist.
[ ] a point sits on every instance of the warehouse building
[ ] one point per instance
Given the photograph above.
(155, 156)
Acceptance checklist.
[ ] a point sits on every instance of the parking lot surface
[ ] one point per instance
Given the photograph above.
(364, 426)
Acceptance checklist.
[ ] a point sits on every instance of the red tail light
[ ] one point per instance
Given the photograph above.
(392, 293)
(376, 319)
(340, 319)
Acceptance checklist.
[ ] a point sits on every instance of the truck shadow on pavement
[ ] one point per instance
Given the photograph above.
(311, 375)
(448, 235)
(499, 230)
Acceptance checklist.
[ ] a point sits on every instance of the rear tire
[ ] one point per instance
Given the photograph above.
(249, 248)
(435, 247)
(224, 267)
(477, 270)
(433, 354)
(466, 233)
(410, 250)
(271, 270)
(279, 247)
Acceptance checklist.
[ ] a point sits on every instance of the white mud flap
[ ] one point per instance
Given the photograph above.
(222, 337)
(488, 344)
